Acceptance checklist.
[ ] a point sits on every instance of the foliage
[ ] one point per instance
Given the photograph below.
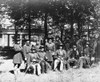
(61, 12)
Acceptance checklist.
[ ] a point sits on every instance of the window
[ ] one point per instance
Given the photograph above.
(0, 35)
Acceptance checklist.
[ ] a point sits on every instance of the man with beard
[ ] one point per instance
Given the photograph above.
(43, 60)
(81, 44)
(74, 57)
(57, 43)
(50, 49)
(26, 50)
(34, 62)
(84, 60)
(17, 59)
(60, 53)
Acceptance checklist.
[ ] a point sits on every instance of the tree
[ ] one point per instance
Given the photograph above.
(61, 11)
(72, 11)
(16, 14)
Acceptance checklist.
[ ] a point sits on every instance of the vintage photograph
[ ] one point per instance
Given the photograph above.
(49, 40)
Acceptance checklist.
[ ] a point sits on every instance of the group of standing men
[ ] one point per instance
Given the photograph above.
(39, 58)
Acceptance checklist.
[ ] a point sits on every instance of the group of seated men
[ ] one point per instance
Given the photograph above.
(40, 59)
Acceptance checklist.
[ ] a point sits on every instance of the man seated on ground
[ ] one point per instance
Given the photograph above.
(74, 57)
(34, 62)
(43, 60)
(60, 55)
(84, 60)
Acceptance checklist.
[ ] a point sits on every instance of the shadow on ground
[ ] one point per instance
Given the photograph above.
(22, 71)
(7, 52)
(11, 71)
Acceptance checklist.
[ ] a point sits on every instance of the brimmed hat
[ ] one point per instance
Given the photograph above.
(61, 45)
(41, 47)
(74, 46)
(33, 49)
(50, 38)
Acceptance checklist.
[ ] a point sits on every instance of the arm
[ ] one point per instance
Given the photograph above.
(24, 52)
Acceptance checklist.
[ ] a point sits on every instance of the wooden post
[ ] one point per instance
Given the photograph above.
(8, 39)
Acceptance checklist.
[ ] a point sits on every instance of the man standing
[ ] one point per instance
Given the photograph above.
(37, 46)
(17, 59)
(81, 44)
(57, 43)
(50, 49)
(26, 50)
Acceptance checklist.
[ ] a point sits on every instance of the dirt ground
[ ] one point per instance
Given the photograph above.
(71, 75)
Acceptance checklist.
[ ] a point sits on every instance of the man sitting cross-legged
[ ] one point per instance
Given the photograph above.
(74, 57)
(60, 54)
(84, 60)
(34, 62)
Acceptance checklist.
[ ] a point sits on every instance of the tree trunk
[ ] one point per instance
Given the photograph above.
(79, 29)
(45, 26)
(29, 20)
(72, 30)
(62, 35)
(16, 33)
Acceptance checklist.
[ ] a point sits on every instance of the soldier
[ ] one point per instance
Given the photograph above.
(84, 60)
(60, 53)
(43, 59)
(81, 44)
(57, 43)
(17, 59)
(74, 56)
(26, 50)
(34, 62)
(50, 49)
(37, 46)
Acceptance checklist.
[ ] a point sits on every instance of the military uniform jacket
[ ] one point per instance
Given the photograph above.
(74, 54)
(50, 48)
(42, 55)
(17, 58)
(33, 57)
(26, 50)
(61, 53)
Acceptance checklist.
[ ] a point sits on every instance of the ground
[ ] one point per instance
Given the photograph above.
(71, 75)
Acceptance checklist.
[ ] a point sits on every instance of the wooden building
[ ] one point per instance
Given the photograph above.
(6, 36)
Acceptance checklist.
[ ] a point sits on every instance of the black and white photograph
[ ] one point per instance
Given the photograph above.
(49, 40)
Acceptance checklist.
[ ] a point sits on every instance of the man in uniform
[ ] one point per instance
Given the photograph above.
(34, 62)
(81, 44)
(74, 56)
(50, 49)
(43, 59)
(60, 54)
(84, 60)
(26, 50)
(37, 47)
(57, 43)
(17, 58)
